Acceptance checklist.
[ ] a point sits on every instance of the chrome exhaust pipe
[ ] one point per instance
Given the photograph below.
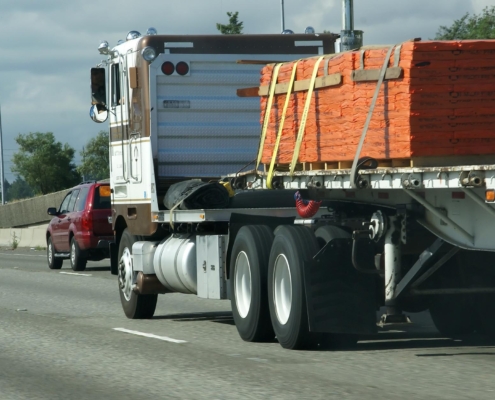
(350, 39)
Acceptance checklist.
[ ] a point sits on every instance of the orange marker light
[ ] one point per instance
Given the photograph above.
(490, 195)
(104, 191)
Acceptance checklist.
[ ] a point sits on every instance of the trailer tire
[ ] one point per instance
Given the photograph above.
(53, 262)
(286, 296)
(248, 280)
(135, 306)
(77, 261)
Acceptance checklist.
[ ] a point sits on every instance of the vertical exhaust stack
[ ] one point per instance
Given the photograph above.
(349, 38)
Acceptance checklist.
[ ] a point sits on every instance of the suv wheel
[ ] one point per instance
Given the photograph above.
(53, 262)
(77, 261)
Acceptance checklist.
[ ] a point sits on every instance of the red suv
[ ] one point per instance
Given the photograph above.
(81, 229)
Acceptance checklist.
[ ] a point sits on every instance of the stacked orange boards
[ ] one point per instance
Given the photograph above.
(443, 104)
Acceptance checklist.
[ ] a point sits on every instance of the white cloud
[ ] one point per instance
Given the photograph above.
(50, 45)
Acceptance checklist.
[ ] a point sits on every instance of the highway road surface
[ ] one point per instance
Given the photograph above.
(64, 336)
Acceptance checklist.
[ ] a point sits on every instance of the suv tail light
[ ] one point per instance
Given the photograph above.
(87, 221)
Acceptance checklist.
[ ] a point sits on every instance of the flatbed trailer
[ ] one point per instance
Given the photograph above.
(310, 260)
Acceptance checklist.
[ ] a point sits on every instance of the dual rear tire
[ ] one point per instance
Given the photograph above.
(267, 285)
(286, 296)
(248, 281)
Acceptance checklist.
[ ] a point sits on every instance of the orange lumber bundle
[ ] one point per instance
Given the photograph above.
(442, 104)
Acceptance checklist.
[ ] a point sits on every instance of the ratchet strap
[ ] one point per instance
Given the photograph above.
(269, 178)
(268, 109)
(304, 117)
(354, 168)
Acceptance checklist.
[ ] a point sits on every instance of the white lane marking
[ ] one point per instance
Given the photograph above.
(149, 335)
(74, 273)
(258, 359)
(24, 255)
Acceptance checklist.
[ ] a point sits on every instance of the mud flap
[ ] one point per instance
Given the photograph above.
(114, 263)
(339, 298)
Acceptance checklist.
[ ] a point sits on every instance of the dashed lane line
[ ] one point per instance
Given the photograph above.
(150, 335)
(74, 273)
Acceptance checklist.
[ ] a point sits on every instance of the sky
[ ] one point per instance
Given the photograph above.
(47, 47)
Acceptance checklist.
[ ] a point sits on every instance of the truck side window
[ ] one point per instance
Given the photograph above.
(115, 85)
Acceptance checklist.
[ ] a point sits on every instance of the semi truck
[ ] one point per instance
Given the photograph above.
(305, 255)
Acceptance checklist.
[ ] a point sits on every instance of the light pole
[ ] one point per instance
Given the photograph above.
(283, 18)
(2, 178)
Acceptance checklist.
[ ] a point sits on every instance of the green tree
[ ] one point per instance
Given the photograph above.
(45, 164)
(19, 190)
(476, 26)
(234, 27)
(95, 158)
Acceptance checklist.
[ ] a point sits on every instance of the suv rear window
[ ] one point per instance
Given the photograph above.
(102, 198)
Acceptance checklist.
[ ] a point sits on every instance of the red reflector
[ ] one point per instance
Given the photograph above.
(382, 195)
(168, 68)
(350, 195)
(458, 195)
(182, 68)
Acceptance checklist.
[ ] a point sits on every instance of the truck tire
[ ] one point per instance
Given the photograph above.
(77, 261)
(53, 262)
(248, 280)
(135, 306)
(286, 297)
(334, 341)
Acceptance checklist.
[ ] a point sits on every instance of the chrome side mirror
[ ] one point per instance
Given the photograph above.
(98, 113)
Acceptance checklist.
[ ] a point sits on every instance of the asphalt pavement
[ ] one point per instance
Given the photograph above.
(64, 336)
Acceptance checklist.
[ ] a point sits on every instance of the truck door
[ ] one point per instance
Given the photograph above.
(126, 158)
(119, 122)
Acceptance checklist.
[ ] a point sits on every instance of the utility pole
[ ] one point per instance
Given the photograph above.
(2, 177)
(283, 17)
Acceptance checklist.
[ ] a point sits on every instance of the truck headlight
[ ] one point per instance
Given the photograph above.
(148, 53)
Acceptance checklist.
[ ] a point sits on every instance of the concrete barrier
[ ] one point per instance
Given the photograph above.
(33, 236)
(25, 213)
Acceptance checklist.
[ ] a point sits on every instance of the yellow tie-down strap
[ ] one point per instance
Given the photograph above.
(281, 126)
(267, 113)
(304, 117)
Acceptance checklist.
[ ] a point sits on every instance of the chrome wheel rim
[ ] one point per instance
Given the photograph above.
(50, 255)
(242, 284)
(73, 253)
(282, 289)
(126, 274)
